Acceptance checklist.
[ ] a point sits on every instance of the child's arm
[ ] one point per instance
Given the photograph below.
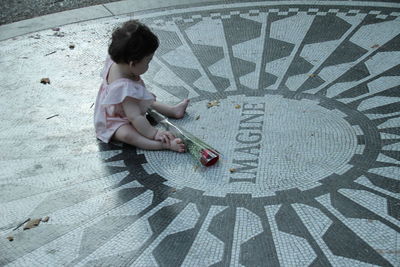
(139, 121)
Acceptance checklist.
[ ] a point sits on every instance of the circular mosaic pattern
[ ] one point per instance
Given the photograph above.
(308, 122)
(268, 144)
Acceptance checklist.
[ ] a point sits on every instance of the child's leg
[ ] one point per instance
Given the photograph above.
(177, 111)
(128, 134)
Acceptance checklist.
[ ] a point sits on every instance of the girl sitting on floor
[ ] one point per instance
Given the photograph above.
(122, 101)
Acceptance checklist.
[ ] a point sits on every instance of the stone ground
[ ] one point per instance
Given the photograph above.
(307, 121)
(13, 11)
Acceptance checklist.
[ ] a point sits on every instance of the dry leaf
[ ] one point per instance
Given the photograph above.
(312, 75)
(10, 238)
(71, 46)
(56, 29)
(213, 103)
(32, 224)
(232, 170)
(173, 190)
(196, 167)
(375, 46)
(46, 219)
(45, 81)
(198, 117)
(238, 106)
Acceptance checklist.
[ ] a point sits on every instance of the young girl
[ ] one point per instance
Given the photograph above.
(123, 99)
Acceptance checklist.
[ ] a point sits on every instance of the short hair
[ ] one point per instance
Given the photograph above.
(132, 42)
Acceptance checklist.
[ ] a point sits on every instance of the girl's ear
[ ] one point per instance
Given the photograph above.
(131, 64)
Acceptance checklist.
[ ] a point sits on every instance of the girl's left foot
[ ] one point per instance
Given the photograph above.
(179, 110)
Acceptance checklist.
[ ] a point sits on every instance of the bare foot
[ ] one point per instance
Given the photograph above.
(175, 145)
(179, 110)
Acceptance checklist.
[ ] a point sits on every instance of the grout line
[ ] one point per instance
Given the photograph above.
(112, 14)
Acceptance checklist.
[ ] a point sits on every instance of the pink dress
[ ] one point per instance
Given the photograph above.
(108, 112)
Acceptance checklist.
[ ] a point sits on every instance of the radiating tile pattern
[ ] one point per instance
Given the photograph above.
(308, 120)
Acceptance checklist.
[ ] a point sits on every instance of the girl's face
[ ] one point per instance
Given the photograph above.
(142, 66)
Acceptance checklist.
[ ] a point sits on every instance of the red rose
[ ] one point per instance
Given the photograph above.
(208, 157)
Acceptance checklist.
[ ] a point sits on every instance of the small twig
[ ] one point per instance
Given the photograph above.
(19, 225)
(52, 116)
(50, 53)
(92, 105)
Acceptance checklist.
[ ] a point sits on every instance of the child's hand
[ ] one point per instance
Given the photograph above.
(164, 136)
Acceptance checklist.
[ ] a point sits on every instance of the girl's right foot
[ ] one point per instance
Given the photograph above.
(179, 109)
(175, 145)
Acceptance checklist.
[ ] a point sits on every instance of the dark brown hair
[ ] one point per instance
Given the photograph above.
(132, 42)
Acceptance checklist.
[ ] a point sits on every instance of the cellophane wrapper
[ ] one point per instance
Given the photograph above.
(200, 150)
(196, 147)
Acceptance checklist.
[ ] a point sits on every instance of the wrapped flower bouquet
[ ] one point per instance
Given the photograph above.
(200, 150)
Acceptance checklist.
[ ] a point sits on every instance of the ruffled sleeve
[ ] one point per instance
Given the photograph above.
(120, 89)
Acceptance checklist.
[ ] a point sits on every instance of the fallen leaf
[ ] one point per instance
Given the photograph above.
(197, 117)
(56, 29)
(375, 46)
(213, 103)
(46, 219)
(71, 46)
(312, 75)
(196, 167)
(238, 106)
(45, 81)
(32, 224)
(173, 190)
(10, 238)
(232, 170)
(19, 225)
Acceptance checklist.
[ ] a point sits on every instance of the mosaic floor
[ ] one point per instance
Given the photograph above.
(307, 120)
